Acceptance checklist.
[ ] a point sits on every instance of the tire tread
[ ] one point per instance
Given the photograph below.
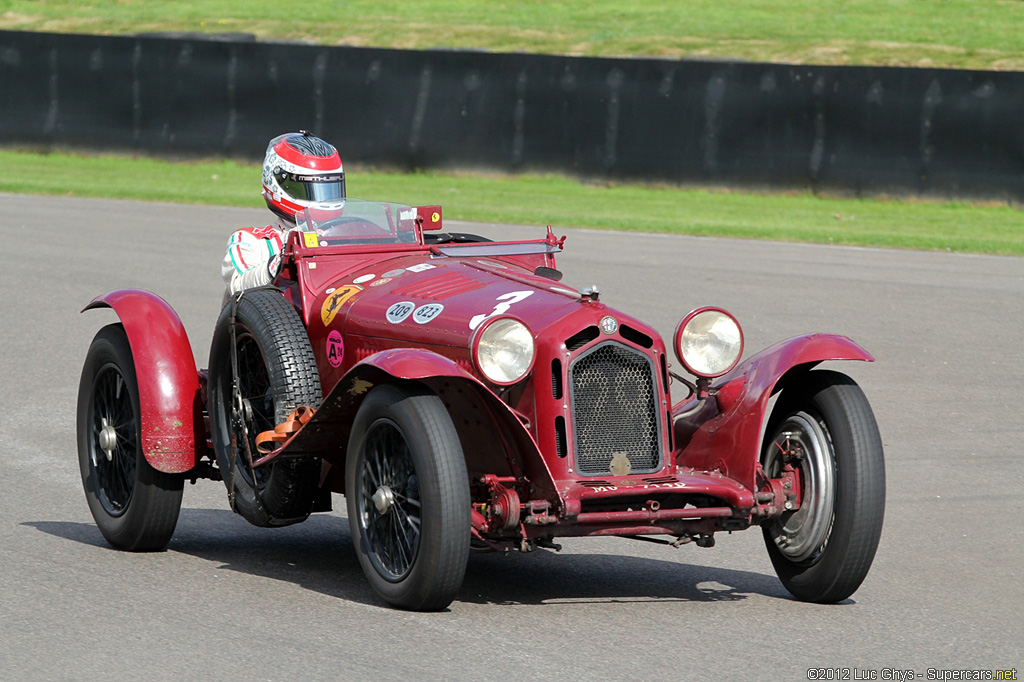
(290, 492)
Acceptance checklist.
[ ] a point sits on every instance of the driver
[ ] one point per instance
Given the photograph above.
(299, 169)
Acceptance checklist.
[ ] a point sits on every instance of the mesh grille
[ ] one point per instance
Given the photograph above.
(614, 409)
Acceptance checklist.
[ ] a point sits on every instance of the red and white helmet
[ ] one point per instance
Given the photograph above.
(301, 169)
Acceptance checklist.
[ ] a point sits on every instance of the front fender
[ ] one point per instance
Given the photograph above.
(169, 398)
(726, 434)
(497, 429)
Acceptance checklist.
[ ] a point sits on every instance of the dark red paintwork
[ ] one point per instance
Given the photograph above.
(172, 412)
(729, 440)
(518, 440)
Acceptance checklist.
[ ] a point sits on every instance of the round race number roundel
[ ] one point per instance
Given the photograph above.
(425, 313)
(335, 348)
(399, 311)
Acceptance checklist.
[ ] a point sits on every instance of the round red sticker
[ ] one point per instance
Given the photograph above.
(335, 348)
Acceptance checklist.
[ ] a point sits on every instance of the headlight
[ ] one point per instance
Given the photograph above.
(503, 350)
(709, 342)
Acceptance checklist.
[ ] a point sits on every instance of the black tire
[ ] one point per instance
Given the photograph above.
(135, 506)
(822, 551)
(277, 373)
(413, 543)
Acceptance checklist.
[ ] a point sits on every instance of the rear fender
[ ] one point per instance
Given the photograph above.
(493, 438)
(725, 435)
(169, 397)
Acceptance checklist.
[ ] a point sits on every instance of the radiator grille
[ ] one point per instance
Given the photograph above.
(614, 409)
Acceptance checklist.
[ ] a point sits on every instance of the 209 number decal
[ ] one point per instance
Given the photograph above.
(505, 302)
(399, 311)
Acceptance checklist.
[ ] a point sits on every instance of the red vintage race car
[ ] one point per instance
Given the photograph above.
(462, 398)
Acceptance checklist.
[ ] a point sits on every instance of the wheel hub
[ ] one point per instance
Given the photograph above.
(243, 409)
(107, 438)
(801, 534)
(384, 499)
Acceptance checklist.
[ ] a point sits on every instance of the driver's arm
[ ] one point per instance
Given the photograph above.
(249, 257)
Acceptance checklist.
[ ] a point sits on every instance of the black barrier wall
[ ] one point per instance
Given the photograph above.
(861, 130)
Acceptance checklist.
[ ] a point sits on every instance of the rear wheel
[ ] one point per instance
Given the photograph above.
(823, 426)
(135, 506)
(276, 373)
(408, 498)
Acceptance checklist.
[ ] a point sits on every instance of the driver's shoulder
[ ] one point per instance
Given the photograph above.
(266, 232)
(254, 235)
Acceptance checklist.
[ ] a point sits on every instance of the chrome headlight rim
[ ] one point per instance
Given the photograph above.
(681, 329)
(480, 335)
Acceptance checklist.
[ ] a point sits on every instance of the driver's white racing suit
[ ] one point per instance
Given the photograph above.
(251, 258)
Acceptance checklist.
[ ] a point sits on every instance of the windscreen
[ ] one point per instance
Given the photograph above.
(356, 221)
(500, 249)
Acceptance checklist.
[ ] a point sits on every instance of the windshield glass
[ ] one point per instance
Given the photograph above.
(355, 221)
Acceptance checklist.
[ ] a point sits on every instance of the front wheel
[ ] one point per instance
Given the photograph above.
(135, 506)
(823, 426)
(408, 498)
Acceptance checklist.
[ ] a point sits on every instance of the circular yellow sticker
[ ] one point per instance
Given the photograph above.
(434, 218)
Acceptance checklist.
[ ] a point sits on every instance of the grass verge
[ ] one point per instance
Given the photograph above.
(548, 199)
(976, 34)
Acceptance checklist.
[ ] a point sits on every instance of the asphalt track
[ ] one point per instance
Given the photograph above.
(230, 601)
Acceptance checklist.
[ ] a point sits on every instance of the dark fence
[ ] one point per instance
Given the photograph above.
(860, 130)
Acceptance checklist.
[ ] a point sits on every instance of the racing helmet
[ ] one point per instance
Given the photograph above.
(301, 169)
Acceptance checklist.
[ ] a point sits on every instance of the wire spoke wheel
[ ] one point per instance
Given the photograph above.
(389, 500)
(114, 443)
(254, 403)
(407, 492)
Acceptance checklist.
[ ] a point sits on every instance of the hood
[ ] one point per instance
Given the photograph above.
(441, 301)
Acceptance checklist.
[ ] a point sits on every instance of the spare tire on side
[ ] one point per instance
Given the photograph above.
(276, 373)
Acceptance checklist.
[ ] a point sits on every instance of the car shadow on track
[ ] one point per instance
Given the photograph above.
(546, 577)
(318, 555)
